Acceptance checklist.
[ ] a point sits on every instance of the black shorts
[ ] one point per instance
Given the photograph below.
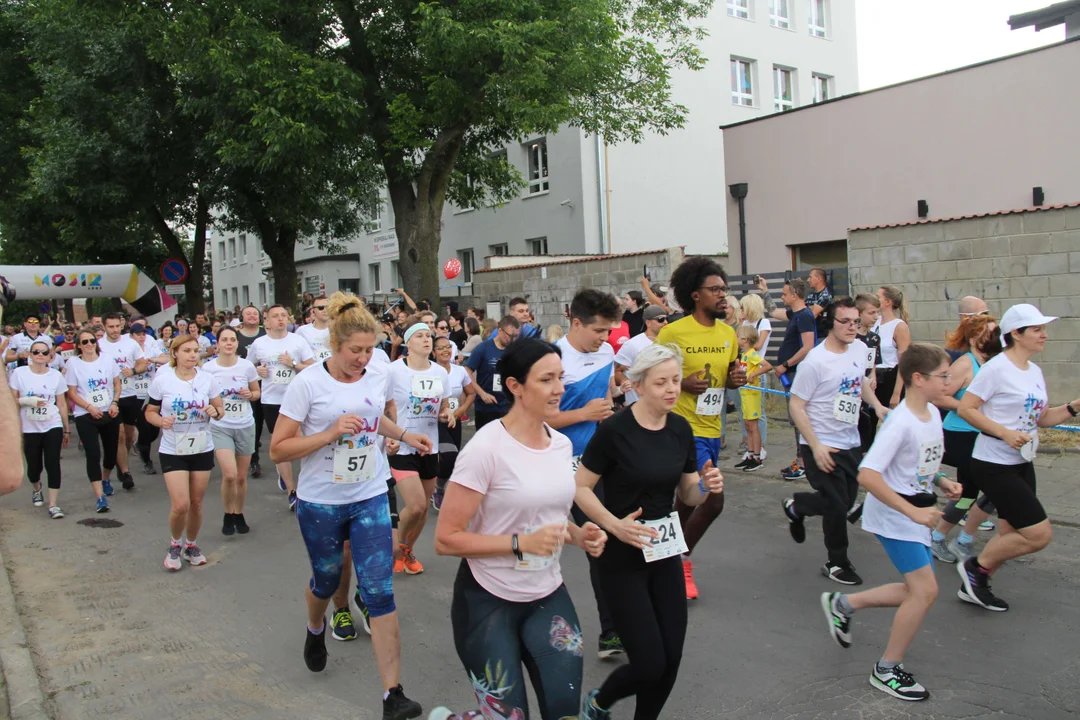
(1012, 490)
(959, 445)
(270, 413)
(200, 462)
(426, 466)
(130, 409)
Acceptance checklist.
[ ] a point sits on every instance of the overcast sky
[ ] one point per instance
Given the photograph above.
(904, 39)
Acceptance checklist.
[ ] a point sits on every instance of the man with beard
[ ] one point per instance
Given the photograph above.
(710, 353)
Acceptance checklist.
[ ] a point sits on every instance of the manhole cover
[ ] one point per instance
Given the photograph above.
(100, 523)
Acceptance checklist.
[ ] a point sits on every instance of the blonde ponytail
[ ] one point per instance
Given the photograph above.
(348, 316)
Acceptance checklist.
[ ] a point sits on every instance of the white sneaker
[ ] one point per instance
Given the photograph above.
(764, 454)
(55, 512)
(172, 560)
(193, 554)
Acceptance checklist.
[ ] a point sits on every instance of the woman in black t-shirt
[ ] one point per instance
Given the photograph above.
(644, 454)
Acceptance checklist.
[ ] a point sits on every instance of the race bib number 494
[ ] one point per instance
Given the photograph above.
(711, 402)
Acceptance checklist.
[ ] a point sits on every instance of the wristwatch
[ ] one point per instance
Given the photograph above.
(1069, 407)
(514, 546)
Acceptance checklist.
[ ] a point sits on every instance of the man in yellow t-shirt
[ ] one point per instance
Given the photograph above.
(710, 351)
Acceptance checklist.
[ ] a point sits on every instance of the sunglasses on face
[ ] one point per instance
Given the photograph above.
(318, 307)
(84, 341)
(32, 322)
(661, 319)
(39, 352)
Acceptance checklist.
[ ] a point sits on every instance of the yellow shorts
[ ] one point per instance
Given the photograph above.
(751, 404)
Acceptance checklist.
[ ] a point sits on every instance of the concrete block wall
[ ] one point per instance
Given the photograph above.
(1031, 257)
(548, 296)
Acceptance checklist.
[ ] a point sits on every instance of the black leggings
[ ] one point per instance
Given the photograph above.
(256, 409)
(110, 438)
(650, 616)
(449, 445)
(147, 434)
(39, 447)
(958, 448)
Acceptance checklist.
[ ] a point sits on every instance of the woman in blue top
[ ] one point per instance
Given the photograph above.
(984, 342)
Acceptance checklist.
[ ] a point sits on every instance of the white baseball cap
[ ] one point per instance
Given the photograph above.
(1021, 316)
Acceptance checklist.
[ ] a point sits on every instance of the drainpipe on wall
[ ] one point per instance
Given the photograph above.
(601, 192)
(739, 191)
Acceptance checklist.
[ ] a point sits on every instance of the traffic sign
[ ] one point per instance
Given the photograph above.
(45, 307)
(174, 270)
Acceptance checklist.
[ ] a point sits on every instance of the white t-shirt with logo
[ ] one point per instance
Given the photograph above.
(459, 379)
(831, 385)
(187, 401)
(46, 386)
(238, 413)
(266, 351)
(419, 396)
(124, 352)
(21, 342)
(907, 452)
(348, 469)
(1014, 398)
(319, 340)
(93, 381)
(626, 355)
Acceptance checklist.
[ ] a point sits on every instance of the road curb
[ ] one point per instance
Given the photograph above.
(26, 700)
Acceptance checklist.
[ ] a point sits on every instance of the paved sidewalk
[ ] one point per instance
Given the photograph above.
(114, 635)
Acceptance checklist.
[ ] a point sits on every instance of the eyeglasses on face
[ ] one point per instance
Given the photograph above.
(944, 376)
(715, 289)
(32, 322)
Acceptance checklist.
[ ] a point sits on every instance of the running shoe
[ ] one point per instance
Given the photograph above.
(752, 464)
(764, 454)
(412, 565)
(39, 498)
(102, 505)
(962, 551)
(55, 513)
(794, 471)
(941, 551)
(127, 481)
(292, 501)
(795, 523)
(843, 574)
(228, 527)
(985, 525)
(359, 608)
(172, 560)
(839, 621)
(240, 523)
(399, 562)
(281, 483)
(106, 486)
(193, 554)
(148, 468)
(688, 575)
(442, 713)
(976, 588)
(315, 650)
(436, 499)
(590, 710)
(342, 623)
(855, 512)
(610, 645)
(256, 469)
(897, 682)
(398, 707)
(742, 463)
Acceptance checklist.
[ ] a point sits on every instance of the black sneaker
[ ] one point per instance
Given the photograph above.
(256, 470)
(315, 650)
(228, 526)
(610, 645)
(742, 463)
(839, 622)
(976, 588)
(148, 468)
(843, 574)
(855, 512)
(897, 682)
(398, 707)
(127, 481)
(795, 523)
(752, 464)
(359, 608)
(344, 629)
(240, 524)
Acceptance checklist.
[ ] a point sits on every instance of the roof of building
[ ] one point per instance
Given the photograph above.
(1046, 17)
(849, 96)
(969, 217)
(575, 259)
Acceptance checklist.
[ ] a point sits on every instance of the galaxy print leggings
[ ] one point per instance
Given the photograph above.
(366, 525)
(495, 638)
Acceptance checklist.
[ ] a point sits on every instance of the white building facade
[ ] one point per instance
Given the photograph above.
(586, 197)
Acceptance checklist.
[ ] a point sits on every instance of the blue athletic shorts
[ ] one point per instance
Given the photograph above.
(907, 556)
(707, 449)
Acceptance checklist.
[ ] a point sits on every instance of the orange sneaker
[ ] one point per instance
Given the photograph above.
(688, 574)
(412, 565)
(399, 559)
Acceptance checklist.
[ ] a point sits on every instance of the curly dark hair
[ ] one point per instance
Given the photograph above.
(689, 276)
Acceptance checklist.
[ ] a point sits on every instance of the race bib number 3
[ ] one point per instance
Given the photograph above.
(236, 409)
(191, 443)
(426, 386)
(281, 375)
(453, 404)
(669, 540)
(354, 465)
(846, 409)
(711, 402)
(930, 454)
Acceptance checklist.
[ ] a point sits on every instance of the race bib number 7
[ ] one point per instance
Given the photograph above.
(191, 443)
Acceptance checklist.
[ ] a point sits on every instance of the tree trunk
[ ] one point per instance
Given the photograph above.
(282, 252)
(194, 285)
(69, 310)
(419, 233)
(117, 304)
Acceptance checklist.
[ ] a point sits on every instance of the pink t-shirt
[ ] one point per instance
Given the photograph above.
(522, 487)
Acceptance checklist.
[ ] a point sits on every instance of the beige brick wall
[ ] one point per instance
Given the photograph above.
(1029, 257)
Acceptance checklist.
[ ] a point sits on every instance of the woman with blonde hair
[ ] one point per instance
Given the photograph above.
(554, 334)
(489, 326)
(895, 338)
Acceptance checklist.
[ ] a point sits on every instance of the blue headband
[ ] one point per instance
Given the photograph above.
(415, 329)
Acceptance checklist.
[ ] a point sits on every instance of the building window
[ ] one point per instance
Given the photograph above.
(538, 246)
(245, 296)
(538, 166)
(225, 299)
(221, 254)
(739, 9)
(395, 273)
(783, 89)
(816, 20)
(466, 258)
(500, 249)
(822, 88)
(243, 251)
(232, 251)
(235, 297)
(376, 277)
(780, 14)
(742, 82)
(262, 294)
(376, 219)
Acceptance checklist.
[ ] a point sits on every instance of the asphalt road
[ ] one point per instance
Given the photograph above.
(114, 635)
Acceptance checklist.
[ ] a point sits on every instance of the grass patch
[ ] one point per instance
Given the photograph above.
(1061, 439)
